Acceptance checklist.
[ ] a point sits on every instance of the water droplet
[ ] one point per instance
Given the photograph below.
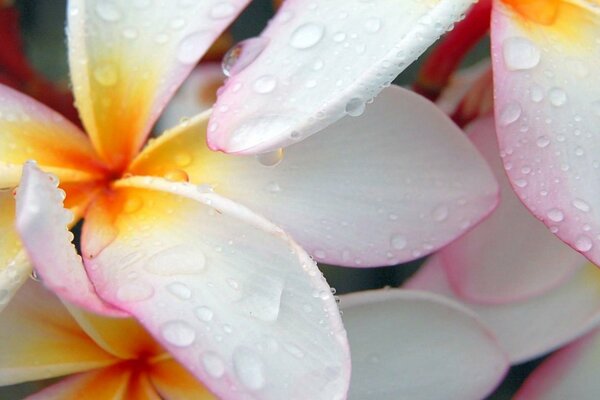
(557, 96)
(249, 368)
(520, 54)
(132, 204)
(222, 10)
(398, 242)
(355, 107)
(108, 11)
(510, 113)
(233, 283)
(35, 276)
(273, 187)
(192, 47)
(265, 84)
(181, 259)
(106, 75)
(242, 54)
(440, 213)
(583, 243)
(183, 159)
(542, 141)
(270, 159)
(581, 205)
(373, 25)
(177, 175)
(178, 333)
(213, 365)
(180, 290)
(556, 215)
(204, 313)
(134, 292)
(307, 36)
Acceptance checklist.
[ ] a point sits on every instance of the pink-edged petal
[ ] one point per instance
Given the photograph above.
(226, 292)
(534, 327)
(510, 256)
(415, 345)
(39, 339)
(322, 61)
(128, 58)
(42, 224)
(547, 108)
(197, 94)
(390, 186)
(572, 373)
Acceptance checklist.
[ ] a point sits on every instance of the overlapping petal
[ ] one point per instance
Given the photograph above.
(536, 326)
(14, 265)
(173, 382)
(42, 224)
(321, 62)
(510, 256)
(572, 373)
(40, 339)
(226, 292)
(545, 59)
(390, 186)
(127, 60)
(415, 345)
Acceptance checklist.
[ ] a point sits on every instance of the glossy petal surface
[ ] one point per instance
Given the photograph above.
(227, 293)
(414, 345)
(548, 111)
(40, 339)
(173, 382)
(534, 327)
(510, 256)
(390, 186)
(128, 58)
(572, 373)
(42, 224)
(322, 61)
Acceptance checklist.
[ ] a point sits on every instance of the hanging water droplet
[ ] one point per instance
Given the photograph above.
(270, 159)
(249, 368)
(213, 365)
(307, 35)
(355, 107)
(178, 333)
(243, 54)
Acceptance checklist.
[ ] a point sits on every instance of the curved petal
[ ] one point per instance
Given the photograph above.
(572, 373)
(173, 382)
(321, 62)
(42, 223)
(197, 94)
(103, 384)
(31, 131)
(415, 345)
(510, 256)
(40, 339)
(534, 327)
(226, 292)
(14, 265)
(390, 186)
(547, 107)
(128, 58)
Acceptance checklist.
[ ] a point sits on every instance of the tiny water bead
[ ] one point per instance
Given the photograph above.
(243, 54)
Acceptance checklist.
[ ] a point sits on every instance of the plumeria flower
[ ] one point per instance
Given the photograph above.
(545, 55)
(230, 295)
(439, 349)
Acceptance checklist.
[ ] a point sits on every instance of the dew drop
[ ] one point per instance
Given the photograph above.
(183, 159)
(307, 36)
(180, 290)
(398, 242)
(542, 141)
(557, 97)
(440, 213)
(204, 313)
(106, 75)
(242, 54)
(132, 204)
(271, 158)
(583, 243)
(520, 54)
(510, 113)
(177, 175)
(355, 107)
(108, 11)
(249, 368)
(192, 47)
(373, 25)
(555, 215)
(213, 365)
(265, 84)
(581, 205)
(178, 333)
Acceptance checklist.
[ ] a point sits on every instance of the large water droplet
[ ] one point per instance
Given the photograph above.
(249, 368)
(178, 333)
(192, 47)
(555, 215)
(520, 54)
(181, 259)
(243, 54)
(355, 107)
(271, 158)
(213, 365)
(307, 35)
(583, 243)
